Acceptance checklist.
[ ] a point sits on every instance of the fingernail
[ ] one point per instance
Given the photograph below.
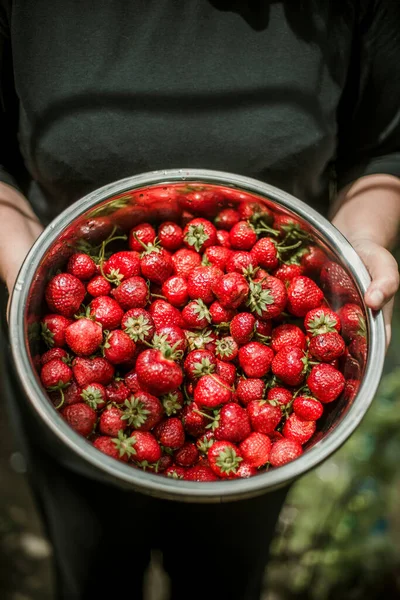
(376, 297)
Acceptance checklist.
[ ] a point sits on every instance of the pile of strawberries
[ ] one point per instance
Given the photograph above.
(203, 348)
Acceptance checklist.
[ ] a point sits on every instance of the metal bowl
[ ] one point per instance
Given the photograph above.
(125, 203)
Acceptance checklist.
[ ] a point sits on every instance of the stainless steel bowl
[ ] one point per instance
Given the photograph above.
(125, 203)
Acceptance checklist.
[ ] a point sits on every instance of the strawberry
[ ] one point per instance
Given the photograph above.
(231, 290)
(117, 392)
(303, 295)
(53, 330)
(205, 441)
(200, 200)
(325, 382)
(64, 294)
(196, 315)
(132, 383)
(226, 349)
(198, 363)
(200, 473)
(299, 430)
(163, 463)
(163, 313)
(279, 394)
(94, 230)
(199, 234)
(108, 446)
(245, 470)
(350, 389)
(145, 448)
(158, 371)
(187, 455)
(219, 314)
(288, 272)
(80, 417)
(55, 375)
(131, 293)
(201, 340)
(264, 418)
(256, 448)
(255, 359)
(122, 265)
(223, 238)
(140, 235)
(263, 329)
(211, 391)
(110, 422)
(175, 472)
(232, 423)
(175, 289)
(92, 370)
(118, 348)
(313, 261)
(253, 211)
(156, 264)
(267, 297)
(170, 433)
(173, 336)
(337, 284)
(322, 320)
(242, 328)
(241, 262)
(98, 286)
(307, 408)
(184, 261)
(94, 395)
(226, 371)
(353, 321)
(290, 226)
(284, 451)
(53, 353)
(290, 365)
(84, 336)
(327, 346)
(249, 389)
(287, 335)
(193, 420)
(199, 283)
(81, 266)
(106, 311)
(142, 411)
(242, 236)
(224, 458)
(172, 403)
(138, 324)
(170, 236)
(359, 349)
(226, 219)
(266, 254)
(72, 394)
(217, 256)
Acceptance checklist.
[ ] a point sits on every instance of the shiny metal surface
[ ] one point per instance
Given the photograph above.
(52, 248)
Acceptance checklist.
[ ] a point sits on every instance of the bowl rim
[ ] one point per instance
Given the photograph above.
(166, 487)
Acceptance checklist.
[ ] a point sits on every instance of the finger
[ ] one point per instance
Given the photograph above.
(384, 272)
(387, 315)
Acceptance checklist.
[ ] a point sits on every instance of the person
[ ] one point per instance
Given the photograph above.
(303, 95)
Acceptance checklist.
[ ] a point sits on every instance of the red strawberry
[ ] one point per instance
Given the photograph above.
(193, 420)
(94, 395)
(173, 403)
(201, 340)
(119, 349)
(245, 470)
(231, 290)
(65, 294)
(242, 328)
(226, 371)
(198, 363)
(201, 201)
(353, 321)
(170, 433)
(175, 472)
(254, 211)
(205, 441)
(287, 335)
(224, 458)
(325, 382)
(242, 236)
(145, 448)
(288, 272)
(175, 289)
(122, 265)
(359, 349)
(290, 365)
(267, 297)
(199, 234)
(307, 408)
(138, 324)
(200, 473)
(223, 238)
(117, 392)
(350, 389)
(98, 286)
(327, 347)
(187, 455)
(337, 283)
(72, 394)
(196, 315)
(53, 330)
(84, 337)
(94, 230)
(284, 451)
(106, 311)
(211, 391)
(132, 293)
(80, 417)
(256, 448)
(55, 374)
(227, 218)
(226, 349)
(266, 253)
(263, 329)
(249, 389)
(217, 256)
(241, 262)
(111, 422)
(158, 371)
(184, 261)
(81, 266)
(92, 370)
(313, 261)
(142, 411)
(163, 463)
(163, 313)
(170, 236)
(287, 224)
(263, 417)
(303, 295)
(280, 394)
(53, 353)
(322, 320)
(108, 446)
(255, 359)
(156, 264)
(132, 383)
(233, 423)
(199, 283)
(219, 314)
(299, 430)
(141, 234)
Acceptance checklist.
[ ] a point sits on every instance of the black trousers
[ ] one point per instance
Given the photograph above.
(102, 536)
